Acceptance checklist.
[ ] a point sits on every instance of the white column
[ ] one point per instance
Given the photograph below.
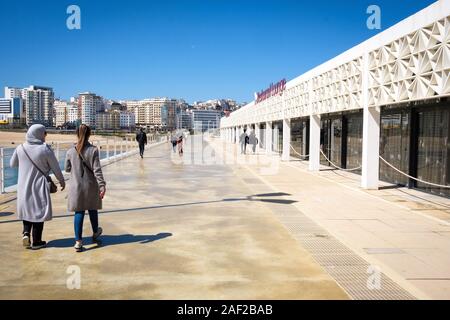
(237, 134)
(286, 155)
(371, 134)
(2, 172)
(269, 137)
(314, 143)
(371, 148)
(257, 133)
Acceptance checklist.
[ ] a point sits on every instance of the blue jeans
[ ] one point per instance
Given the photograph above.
(78, 223)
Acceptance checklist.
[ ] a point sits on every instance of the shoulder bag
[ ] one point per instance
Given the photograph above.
(53, 187)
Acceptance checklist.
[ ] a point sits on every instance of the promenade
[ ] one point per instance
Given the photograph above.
(402, 233)
(171, 231)
(216, 224)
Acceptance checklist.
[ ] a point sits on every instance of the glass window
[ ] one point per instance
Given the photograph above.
(299, 137)
(395, 145)
(331, 140)
(432, 150)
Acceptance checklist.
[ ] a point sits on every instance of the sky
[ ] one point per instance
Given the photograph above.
(191, 49)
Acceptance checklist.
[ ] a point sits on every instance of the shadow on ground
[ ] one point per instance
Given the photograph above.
(265, 197)
(110, 240)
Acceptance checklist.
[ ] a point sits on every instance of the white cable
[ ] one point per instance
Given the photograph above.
(411, 177)
(300, 155)
(337, 167)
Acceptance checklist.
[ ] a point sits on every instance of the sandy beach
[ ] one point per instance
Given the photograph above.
(12, 139)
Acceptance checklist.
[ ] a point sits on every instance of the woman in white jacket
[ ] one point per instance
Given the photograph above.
(34, 206)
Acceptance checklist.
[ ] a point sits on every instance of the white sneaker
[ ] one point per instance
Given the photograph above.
(26, 241)
(78, 246)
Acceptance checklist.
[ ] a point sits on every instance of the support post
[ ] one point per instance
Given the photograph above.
(371, 134)
(2, 172)
(314, 143)
(257, 134)
(371, 149)
(269, 140)
(107, 148)
(286, 155)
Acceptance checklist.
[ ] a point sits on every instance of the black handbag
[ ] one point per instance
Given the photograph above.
(53, 187)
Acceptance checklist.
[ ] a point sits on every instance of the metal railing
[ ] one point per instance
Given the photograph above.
(110, 150)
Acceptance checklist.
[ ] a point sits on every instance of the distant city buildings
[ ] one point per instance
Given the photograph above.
(204, 120)
(157, 113)
(36, 104)
(10, 110)
(66, 113)
(184, 119)
(89, 104)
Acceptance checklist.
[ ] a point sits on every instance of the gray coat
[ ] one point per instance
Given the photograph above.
(33, 191)
(84, 185)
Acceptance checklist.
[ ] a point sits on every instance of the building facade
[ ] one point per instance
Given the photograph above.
(66, 113)
(127, 120)
(204, 120)
(156, 112)
(382, 104)
(10, 110)
(89, 104)
(38, 105)
(184, 120)
(108, 120)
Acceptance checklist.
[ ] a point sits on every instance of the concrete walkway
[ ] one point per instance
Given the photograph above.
(172, 230)
(405, 233)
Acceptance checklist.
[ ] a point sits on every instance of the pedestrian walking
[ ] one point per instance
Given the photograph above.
(243, 140)
(35, 160)
(253, 140)
(180, 145)
(87, 186)
(174, 142)
(141, 138)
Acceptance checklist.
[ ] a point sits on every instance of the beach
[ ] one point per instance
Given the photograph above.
(12, 139)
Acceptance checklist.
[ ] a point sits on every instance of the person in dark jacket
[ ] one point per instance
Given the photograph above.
(141, 138)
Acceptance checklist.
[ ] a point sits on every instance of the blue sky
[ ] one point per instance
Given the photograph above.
(191, 49)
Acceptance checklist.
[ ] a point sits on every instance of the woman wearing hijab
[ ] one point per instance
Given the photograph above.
(87, 186)
(35, 160)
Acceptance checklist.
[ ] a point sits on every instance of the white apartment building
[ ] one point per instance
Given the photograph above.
(65, 112)
(60, 112)
(88, 105)
(73, 114)
(148, 113)
(127, 119)
(11, 92)
(38, 105)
